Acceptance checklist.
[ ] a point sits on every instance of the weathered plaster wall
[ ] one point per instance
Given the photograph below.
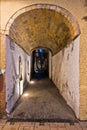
(13, 52)
(65, 74)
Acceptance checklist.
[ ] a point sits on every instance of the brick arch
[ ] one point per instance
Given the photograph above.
(59, 9)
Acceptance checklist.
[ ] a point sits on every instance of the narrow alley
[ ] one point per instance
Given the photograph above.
(42, 101)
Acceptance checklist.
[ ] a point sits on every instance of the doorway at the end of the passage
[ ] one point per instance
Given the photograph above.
(40, 64)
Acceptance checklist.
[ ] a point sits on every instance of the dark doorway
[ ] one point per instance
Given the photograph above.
(40, 64)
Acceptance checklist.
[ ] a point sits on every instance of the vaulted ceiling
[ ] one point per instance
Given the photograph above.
(42, 28)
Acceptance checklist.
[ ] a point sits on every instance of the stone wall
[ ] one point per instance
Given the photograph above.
(15, 86)
(2, 76)
(65, 74)
(2, 95)
(2, 52)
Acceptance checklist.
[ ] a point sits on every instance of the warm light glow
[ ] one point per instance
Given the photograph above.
(26, 94)
(32, 82)
(21, 87)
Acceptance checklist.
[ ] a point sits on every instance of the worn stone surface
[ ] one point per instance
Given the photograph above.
(42, 101)
(42, 126)
(2, 52)
(42, 28)
(2, 95)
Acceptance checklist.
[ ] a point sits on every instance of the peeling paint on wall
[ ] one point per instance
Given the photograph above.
(65, 74)
(13, 52)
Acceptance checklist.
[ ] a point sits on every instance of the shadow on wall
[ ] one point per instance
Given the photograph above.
(1, 82)
(85, 2)
(85, 18)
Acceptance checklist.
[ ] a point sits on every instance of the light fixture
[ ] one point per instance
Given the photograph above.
(40, 50)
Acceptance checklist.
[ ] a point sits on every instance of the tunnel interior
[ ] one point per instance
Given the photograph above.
(40, 64)
(26, 57)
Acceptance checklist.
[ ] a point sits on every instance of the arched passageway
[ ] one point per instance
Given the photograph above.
(43, 26)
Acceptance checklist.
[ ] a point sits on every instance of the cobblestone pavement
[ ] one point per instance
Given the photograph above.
(4, 125)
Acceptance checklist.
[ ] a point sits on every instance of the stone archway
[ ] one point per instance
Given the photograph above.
(35, 24)
(53, 28)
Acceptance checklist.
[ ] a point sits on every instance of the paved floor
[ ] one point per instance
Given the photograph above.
(42, 101)
(42, 126)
